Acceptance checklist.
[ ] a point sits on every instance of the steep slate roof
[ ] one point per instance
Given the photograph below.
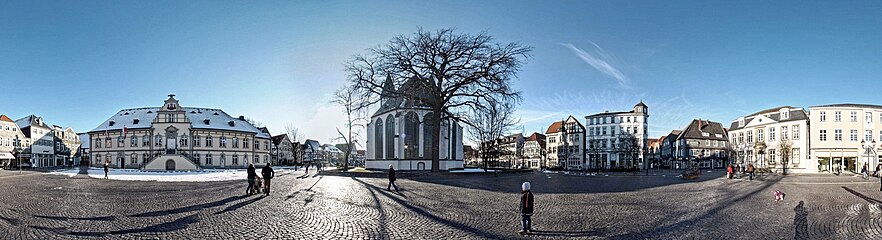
(697, 127)
(217, 120)
(608, 113)
(772, 113)
(851, 105)
(278, 139)
(392, 101)
(30, 120)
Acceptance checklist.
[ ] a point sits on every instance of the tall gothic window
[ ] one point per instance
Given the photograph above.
(390, 137)
(411, 135)
(428, 134)
(378, 138)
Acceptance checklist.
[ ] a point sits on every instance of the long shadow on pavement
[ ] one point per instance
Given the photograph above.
(429, 215)
(561, 183)
(865, 197)
(800, 221)
(695, 221)
(189, 208)
(177, 224)
(384, 232)
(240, 205)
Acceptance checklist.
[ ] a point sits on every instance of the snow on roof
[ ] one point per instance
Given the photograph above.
(200, 118)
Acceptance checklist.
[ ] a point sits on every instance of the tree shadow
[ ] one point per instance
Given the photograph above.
(800, 221)
(695, 221)
(564, 183)
(177, 224)
(865, 197)
(430, 216)
(383, 218)
(290, 196)
(240, 205)
(189, 208)
(104, 218)
(11, 221)
(592, 233)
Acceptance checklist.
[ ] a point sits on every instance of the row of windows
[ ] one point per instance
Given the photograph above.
(209, 142)
(852, 135)
(605, 120)
(837, 116)
(209, 159)
(11, 129)
(784, 130)
(613, 130)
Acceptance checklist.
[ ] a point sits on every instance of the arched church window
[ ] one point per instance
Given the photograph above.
(390, 135)
(411, 135)
(378, 138)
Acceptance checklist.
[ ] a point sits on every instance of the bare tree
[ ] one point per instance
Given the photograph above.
(293, 132)
(254, 123)
(786, 150)
(351, 100)
(629, 148)
(453, 72)
(489, 123)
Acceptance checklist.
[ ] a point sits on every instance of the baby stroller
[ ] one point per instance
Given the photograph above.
(258, 185)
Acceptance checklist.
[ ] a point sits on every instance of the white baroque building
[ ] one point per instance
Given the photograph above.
(846, 136)
(399, 134)
(763, 139)
(607, 131)
(173, 137)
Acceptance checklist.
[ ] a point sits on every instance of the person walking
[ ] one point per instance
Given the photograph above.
(391, 180)
(526, 208)
(268, 174)
(865, 170)
(729, 171)
(106, 169)
(750, 171)
(252, 174)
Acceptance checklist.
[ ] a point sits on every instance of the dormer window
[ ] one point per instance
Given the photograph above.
(215, 114)
(205, 121)
(741, 122)
(785, 114)
(232, 124)
(111, 123)
(136, 121)
(705, 134)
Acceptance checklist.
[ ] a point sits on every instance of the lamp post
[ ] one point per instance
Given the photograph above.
(869, 150)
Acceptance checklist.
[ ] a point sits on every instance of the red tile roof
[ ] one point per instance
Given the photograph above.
(5, 118)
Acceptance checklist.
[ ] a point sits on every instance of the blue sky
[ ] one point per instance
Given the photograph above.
(78, 62)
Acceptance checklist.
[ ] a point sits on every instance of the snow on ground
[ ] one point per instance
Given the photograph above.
(471, 170)
(206, 175)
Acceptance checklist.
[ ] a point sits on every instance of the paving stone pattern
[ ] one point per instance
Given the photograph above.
(469, 206)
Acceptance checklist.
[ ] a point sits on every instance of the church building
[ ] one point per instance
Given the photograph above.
(399, 133)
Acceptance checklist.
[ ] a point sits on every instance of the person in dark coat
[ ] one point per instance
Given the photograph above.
(268, 174)
(391, 179)
(106, 169)
(526, 208)
(750, 171)
(252, 173)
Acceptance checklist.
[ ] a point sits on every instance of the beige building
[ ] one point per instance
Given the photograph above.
(618, 139)
(173, 137)
(845, 136)
(565, 144)
(534, 151)
(283, 149)
(766, 137)
(10, 138)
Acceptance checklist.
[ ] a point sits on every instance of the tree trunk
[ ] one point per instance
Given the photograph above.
(436, 139)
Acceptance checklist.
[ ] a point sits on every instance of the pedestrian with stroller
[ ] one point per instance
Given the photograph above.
(391, 180)
(252, 174)
(526, 208)
(268, 175)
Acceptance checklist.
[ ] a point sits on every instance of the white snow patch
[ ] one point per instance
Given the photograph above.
(471, 170)
(207, 175)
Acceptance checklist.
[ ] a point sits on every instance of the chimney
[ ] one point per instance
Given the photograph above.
(242, 118)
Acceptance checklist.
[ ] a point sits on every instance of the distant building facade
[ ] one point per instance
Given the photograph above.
(618, 139)
(767, 137)
(534, 151)
(845, 136)
(565, 144)
(703, 143)
(173, 137)
(284, 149)
(12, 142)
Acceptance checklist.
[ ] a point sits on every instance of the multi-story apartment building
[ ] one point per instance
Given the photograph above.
(67, 145)
(702, 143)
(534, 151)
(668, 148)
(565, 144)
(39, 145)
(512, 149)
(845, 136)
(11, 141)
(618, 139)
(773, 138)
(283, 149)
(173, 137)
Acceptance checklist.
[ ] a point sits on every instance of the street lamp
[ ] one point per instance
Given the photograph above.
(868, 150)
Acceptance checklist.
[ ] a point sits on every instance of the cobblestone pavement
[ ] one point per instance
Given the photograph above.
(474, 206)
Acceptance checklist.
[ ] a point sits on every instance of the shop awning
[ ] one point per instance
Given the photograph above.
(6, 155)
